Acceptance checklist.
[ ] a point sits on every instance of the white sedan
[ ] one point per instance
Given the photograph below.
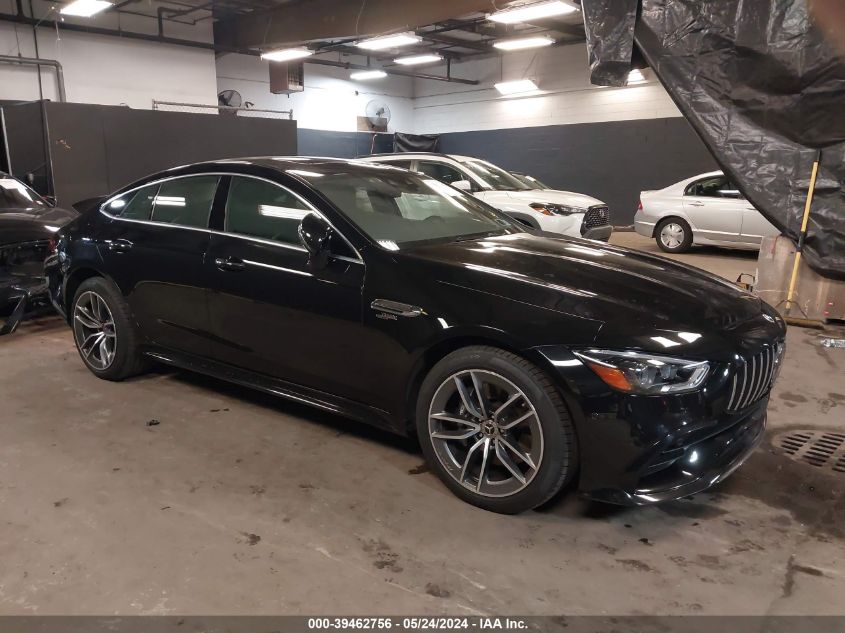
(554, 211)
(705, 209)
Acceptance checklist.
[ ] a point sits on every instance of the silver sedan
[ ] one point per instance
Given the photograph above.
(705, 209)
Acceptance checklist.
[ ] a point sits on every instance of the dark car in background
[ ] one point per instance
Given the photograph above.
(520, 361)
(28, 226)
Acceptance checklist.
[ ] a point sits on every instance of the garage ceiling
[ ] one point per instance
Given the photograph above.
(454, 29)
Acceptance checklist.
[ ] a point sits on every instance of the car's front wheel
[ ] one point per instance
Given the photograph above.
(673, 235)
(496, 430)
(103, 330)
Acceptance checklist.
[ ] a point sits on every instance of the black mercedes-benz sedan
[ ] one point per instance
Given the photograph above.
(28, 225)
(521, 362)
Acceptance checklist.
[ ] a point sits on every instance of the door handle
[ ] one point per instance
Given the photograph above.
(120, 246)
(229, 264)
(696, 204)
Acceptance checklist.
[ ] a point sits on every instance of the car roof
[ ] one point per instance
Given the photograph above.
(412, 155)
(708, 174)
(316, 164)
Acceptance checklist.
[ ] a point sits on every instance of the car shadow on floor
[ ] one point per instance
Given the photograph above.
(721, 251)
(338, 424)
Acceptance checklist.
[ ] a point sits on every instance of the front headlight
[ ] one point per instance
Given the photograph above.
(555, 209)
(634, 372)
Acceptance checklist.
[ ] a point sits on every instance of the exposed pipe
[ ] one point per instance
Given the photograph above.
(31, 61)
(390, 71)
(221, 49)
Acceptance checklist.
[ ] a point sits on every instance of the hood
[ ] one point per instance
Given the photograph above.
(28, 225)
(634, 295)
(555, 196)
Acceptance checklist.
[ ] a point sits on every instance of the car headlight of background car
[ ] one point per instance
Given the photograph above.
(555, 209)
(633, 372)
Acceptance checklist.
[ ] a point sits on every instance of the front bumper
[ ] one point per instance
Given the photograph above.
(601, 233)
(676, 472)
(641, 449)
(19, 300)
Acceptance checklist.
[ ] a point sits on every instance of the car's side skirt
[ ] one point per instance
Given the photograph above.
(276, 387)
(709, 241)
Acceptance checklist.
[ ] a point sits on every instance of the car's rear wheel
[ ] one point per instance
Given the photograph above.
(673, 235)
(103, 330)
(496, 430)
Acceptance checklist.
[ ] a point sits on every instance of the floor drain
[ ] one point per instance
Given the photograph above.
(817, 448)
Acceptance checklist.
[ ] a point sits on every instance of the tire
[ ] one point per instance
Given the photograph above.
(678, 235)
(99, 307)
(546, 435)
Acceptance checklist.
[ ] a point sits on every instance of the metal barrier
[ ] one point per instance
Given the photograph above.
(202, 108)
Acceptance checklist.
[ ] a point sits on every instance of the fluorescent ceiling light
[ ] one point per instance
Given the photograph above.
(534, 11)
(368, 74)
(525, 42)
(390, 41)
(286, 54)
(636, 76)
(85, 8)
(515, 87)
(418, 59)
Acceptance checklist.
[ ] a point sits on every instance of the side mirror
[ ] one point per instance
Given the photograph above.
(463, 185)
(316, 234)
(51, 200)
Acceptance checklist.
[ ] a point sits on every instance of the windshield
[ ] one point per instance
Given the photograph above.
(14, 196)
(494, 177)
(401, 209)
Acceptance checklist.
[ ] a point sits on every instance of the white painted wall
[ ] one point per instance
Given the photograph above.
(110, 70)
(330, 101)
(565, 97)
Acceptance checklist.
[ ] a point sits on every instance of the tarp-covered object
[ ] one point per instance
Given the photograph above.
(763, 88)
(415, 142)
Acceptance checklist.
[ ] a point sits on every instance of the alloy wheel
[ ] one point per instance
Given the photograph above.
(672, 235)
(94, 331)
(485, 432)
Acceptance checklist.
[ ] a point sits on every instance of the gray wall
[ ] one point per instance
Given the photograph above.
(95, 149)
(611, 161)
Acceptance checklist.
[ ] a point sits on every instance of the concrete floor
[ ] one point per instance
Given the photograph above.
(236, 503)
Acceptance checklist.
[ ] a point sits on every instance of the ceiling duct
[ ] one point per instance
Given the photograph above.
(287, 77)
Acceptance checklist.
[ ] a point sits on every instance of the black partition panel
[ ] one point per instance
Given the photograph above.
(95, 149)
(612, 161)
(25, 142)
(343, 144)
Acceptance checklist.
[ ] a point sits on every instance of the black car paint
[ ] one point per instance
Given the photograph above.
(317, 335)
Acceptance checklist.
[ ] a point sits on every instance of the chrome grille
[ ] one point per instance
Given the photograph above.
(595, 216)
(754, 376)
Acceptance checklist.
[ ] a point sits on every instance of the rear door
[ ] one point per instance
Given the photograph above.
(154, 248)
(754, 226)
(270, 312)
(715, 208)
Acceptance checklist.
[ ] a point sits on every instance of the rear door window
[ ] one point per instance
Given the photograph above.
(185, 201)
(716, 187)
